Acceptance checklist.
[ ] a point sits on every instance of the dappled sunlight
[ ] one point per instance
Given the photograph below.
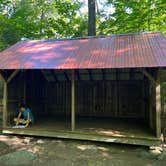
(14, 141)
(99, 52)
(85, 147)
(34, 149)
(71, 48)
(33, 49)
(14, 64)
(84, 40)
(29, 64)
(88, 63)
(46, 57)
(130, 50)
(38, 46)
(106, 155)
(109, 133)
(126, 49)
(113, 133)
(103, 148)
(68, 63)
(23, 143)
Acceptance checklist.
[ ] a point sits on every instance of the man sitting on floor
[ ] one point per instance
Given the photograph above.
(24, 117)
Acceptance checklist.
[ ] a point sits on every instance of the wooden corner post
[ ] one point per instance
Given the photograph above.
(73, 101)
(5, 95)
(158, 105)
(4, 101)
(5, 98)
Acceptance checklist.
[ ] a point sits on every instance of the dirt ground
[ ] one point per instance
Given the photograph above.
(29, 151)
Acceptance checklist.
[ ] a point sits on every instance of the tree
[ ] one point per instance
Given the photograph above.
(40, 19)
(91, 18)
(45, 19)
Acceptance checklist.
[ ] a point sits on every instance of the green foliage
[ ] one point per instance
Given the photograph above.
(40, 19)
(45, 19)
(134, 16)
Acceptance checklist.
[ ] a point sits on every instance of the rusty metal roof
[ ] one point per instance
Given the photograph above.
(115, 51)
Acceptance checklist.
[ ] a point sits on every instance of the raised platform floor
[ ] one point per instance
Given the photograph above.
(128, 131)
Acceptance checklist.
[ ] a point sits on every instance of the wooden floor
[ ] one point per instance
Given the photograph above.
(107, 130)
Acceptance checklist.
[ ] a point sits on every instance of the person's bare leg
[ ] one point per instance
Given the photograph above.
(16, 121)
(19, 121)
(22, 121)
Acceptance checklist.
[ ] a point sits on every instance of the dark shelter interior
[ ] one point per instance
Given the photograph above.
(108, 102)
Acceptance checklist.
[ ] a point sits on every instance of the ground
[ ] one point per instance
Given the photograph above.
(29, 151)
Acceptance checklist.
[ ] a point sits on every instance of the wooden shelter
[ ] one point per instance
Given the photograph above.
(99, 88)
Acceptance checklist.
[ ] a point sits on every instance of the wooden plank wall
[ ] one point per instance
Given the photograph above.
(15, 96)
(36, 92)
(98, 99)
(17, 92)
(93, 98)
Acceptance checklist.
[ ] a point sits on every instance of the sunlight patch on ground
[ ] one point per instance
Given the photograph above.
(85, 147)
(15, 141)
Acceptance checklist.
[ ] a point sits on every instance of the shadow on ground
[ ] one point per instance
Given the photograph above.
(30, 151)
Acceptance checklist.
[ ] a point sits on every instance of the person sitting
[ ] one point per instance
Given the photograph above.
(24, 117)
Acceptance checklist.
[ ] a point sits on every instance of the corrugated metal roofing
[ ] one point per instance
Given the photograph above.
(116, 51)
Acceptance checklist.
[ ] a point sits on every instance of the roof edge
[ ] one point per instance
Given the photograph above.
(99, 36)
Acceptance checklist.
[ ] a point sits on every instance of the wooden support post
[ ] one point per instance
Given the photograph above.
(5, 104)
(73, 101)
(2, 78)
(115, 91)
(158, 106)
(24, 99)
(5, 95)
(151, 103)
(149, 76)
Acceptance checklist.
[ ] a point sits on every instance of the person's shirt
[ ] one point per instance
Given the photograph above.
(25, 114)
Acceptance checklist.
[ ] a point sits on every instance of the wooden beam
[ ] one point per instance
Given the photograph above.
(158, 106)
(54, 75)
(149, 76)
(5, 104)
(66, 76)
(2, 77)
(42, 71)
(73, 101)
(12, 76)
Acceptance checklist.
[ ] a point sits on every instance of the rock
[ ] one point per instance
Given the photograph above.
(26, 140)
(17, 158)
(155, 152)
(40, 141)
(156, 148)
(162, 156)
(4, 148)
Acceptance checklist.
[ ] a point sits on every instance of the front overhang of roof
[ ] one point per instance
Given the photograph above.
(114, 51)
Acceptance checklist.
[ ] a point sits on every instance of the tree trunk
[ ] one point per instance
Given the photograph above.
(91, 18)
